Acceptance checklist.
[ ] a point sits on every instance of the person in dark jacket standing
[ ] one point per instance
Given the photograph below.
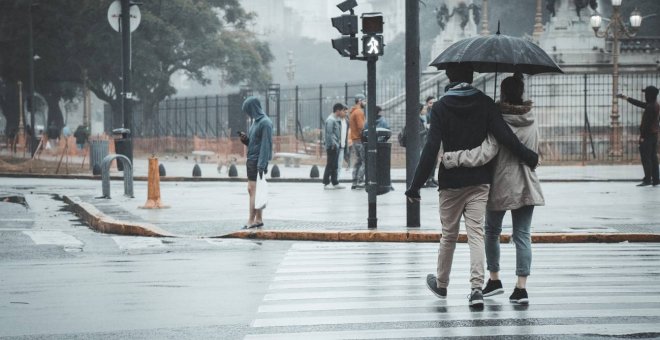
(259, 141)
(461, 120)
(648, 134)
(332, 146)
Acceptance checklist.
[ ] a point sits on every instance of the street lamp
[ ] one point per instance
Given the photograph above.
(616, 29)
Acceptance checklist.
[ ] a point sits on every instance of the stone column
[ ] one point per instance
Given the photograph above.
(484, 18)
(538, 25)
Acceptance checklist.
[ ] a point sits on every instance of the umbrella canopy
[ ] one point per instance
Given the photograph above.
(498, 53)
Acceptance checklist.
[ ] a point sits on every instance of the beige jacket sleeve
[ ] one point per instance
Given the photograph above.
(473, 157)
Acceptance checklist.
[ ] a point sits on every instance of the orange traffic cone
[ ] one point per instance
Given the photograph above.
(153, 190)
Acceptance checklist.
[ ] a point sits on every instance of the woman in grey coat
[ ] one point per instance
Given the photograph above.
(514, 187)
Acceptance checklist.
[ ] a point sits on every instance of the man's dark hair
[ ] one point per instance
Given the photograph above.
(429, 98)
(459, 73)
(337, 107)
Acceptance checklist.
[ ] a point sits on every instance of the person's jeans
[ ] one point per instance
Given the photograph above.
(648, 150)
(522, 238)
(330, 173)
(340, 161)
(358, 166)
(470, 202)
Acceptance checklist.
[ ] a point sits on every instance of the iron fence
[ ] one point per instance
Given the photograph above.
(573, 112)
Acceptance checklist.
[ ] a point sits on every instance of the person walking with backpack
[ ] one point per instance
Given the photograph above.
(648, 134)
(515, 187)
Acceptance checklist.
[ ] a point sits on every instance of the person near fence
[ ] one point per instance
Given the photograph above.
(428, 104)
(82, 136)
(343, 140)
(332, 145)
(259, 141)
(514, 187)
(381, 122)
(461, 120)
(648, 134)
(356, 125)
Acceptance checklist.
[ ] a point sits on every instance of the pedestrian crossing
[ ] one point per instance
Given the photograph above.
(377, 291)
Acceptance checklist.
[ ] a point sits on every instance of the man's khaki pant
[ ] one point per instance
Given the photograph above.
(471, 203)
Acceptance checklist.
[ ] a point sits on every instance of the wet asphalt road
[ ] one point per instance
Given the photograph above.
(59, 280)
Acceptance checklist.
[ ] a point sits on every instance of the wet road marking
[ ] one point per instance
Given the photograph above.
(362, 291)
(55, 237)
(133, 242)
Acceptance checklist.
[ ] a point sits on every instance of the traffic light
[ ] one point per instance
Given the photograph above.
(372, 41)
(347, 25)
(346, 46)
(372, 45)
(372, 23)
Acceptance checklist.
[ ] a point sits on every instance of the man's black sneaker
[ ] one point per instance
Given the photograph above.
(493, 287)
(432, 283)
(519, 295)
(644, 184)
(357, 186)
(476, 298)
(656, 183)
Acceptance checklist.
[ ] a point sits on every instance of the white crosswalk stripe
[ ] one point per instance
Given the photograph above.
(55, 237)
(377, 291)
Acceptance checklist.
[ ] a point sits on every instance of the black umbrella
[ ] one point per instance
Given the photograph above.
(497, 53)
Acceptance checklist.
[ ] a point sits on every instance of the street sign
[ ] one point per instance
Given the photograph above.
(114, 16)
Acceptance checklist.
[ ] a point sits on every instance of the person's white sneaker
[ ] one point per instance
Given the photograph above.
(328, 187)
(339, 186)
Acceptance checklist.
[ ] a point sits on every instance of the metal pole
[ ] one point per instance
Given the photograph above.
(372, 182)
(297, 112)
(346, 94)
(320, 119)
(278, 114)
(125, 28)
(615, 138)
(412, 105)
(30, 95)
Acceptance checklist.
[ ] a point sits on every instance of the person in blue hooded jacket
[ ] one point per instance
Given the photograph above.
(259, 141)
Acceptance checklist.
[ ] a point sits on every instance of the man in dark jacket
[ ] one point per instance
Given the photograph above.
(461, 120)
(648, 134)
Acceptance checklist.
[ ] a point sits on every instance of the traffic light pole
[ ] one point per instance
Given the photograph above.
(372, 182)
(126, 68)
(412, 105)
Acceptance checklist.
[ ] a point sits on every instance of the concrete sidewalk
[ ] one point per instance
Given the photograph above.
(576, 211)
(581, 200)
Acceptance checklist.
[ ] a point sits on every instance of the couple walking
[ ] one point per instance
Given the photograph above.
(473, 130)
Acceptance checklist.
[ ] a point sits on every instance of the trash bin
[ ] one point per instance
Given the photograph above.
(98, 149)
(123, 145)
(383, 159)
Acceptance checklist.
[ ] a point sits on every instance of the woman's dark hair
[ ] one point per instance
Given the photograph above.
(512, 90)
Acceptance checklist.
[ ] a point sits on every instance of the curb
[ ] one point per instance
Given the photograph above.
(429, 237)
(100, 222)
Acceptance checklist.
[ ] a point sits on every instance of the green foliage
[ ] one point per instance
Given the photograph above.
(76, 44)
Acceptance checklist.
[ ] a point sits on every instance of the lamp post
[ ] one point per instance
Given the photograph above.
(616, 29)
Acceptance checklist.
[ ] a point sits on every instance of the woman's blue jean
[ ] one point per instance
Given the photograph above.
(522, 238)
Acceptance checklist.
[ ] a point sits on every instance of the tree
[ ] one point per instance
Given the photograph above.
(77, 46)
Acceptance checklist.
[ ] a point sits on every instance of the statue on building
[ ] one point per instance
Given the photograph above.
(462, 11)
(552, 5)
